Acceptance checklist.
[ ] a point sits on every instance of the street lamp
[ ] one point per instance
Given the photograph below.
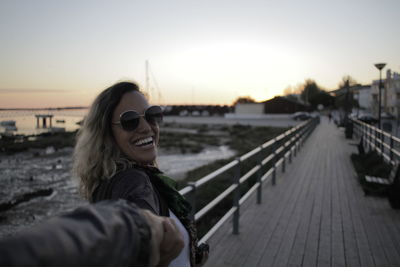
(380, 66)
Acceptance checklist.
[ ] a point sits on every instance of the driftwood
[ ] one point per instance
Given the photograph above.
(24, 198)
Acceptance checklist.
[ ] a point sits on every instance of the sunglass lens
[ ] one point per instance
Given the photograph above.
(154, 115)
(129, 120)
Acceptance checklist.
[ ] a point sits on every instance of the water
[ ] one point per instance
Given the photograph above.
(26, 122)
(176, 165)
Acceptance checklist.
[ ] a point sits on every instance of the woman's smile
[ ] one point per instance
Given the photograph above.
(144, 142)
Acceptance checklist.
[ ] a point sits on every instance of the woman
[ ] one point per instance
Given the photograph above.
(115, 157)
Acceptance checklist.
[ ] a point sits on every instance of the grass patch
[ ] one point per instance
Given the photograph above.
(187, 142)
(15, 144)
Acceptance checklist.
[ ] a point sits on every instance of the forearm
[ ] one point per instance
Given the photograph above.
(105, 234)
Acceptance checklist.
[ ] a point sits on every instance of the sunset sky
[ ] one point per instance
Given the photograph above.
(63, 53)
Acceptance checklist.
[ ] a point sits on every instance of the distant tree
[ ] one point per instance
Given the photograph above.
(310, 90)
(346, 78)
(293, 90)
(325, 99)
(342, 102)
(345, 100)
(292, 97)
(244, 99)
(315, 95)
(288, 91)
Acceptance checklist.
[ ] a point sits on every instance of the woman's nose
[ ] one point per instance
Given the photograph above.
(143, 126)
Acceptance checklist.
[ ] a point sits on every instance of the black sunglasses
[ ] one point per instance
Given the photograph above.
(129, 119)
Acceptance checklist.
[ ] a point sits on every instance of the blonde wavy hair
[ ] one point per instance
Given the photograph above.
(96, 155)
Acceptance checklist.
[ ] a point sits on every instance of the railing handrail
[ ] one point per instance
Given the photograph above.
(382, 142)
(291, 140)
(211, 176)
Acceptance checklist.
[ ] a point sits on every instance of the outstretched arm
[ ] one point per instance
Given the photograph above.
(109, 233)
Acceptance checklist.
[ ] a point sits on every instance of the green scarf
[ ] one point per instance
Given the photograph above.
(178, 204)
(167, 188)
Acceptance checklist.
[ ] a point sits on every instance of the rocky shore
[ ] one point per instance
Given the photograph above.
(42, 183)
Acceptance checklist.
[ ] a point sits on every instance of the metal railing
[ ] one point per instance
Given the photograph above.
(281, 148)
(382, 142)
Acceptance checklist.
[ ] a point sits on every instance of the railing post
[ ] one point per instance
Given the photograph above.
(259, 175)
(370, 138)
(192, 199)
(378, 137)
(364, 135)
(236, 196)
(357, 129)
(310, 128)
(300, 135)
(303, 133)
(306, 131)
(284, 154)
(290, 149)
(391, 148)
(274, 163)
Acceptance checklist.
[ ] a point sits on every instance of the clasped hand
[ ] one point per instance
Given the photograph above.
(166, 239)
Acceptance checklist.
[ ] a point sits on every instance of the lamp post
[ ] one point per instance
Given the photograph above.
(380, 66)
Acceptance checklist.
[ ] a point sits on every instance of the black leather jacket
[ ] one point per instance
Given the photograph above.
(132, 184)
(136, 185)
(109, 233)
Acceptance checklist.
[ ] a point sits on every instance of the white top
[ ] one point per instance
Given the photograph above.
(183, 259)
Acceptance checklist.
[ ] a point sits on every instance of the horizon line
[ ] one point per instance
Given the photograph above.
(86, 107)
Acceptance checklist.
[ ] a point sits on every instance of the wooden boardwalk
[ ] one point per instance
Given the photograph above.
(316, 215)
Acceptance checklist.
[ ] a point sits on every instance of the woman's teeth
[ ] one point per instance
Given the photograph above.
(144, 141)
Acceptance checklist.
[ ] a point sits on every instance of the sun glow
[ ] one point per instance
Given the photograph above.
(231, 69)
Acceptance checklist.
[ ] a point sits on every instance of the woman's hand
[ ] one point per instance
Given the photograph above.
(166, 240)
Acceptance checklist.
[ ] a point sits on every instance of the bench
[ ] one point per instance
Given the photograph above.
(394, 189)
(374, 184)
(389, 186)
(377, 180)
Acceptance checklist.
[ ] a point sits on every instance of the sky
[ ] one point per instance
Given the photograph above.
(56, 53)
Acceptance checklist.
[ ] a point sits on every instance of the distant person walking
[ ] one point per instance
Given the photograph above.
(330, 116)
(115, 157)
